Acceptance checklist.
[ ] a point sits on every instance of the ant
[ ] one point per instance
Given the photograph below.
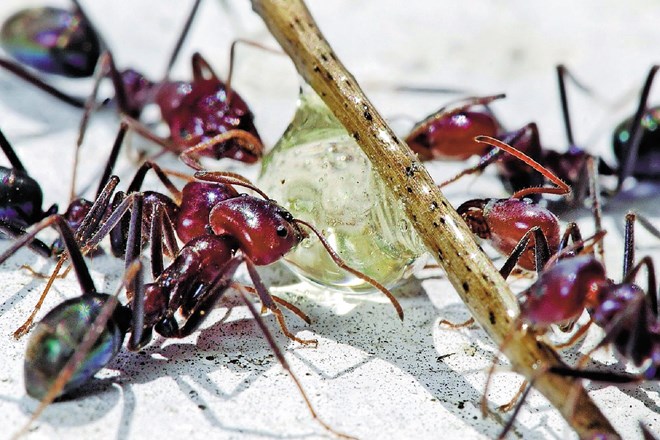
(82, 335)
(449, 134)
(204, 109)
(628, 315)
(190, 216)
(21, 198)
(507, 223)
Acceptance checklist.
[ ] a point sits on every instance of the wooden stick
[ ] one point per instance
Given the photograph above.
(477, 281)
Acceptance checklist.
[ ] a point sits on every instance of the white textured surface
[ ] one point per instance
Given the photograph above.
(370, 376)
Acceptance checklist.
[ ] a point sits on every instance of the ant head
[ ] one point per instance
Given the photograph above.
(138, 90)
(204, 109)
(562, 292)
(472, 212)
(450, 135)
(264, 230)
(505, 221)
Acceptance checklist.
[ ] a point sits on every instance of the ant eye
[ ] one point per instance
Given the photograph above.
(281, 231)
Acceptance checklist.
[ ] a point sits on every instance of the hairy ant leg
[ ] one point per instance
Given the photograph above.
(282, 360)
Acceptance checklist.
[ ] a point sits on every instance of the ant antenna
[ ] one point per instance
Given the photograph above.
(561, 189)
(342, 264)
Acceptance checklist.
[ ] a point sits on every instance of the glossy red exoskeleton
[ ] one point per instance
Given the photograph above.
(628, 314)
(506, 223)
(448, 134)
(204, 109)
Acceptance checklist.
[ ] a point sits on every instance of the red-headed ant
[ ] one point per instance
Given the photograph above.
(449, 134)
(627, 314)
(205, 109)
(239, 229)
(82, 335)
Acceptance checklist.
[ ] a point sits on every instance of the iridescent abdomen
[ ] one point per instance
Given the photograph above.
(51, 40)
(58, 336)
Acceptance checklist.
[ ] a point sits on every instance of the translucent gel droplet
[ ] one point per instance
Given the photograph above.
(321, 175)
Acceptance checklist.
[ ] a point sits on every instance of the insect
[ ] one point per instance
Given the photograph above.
(21, 196)
(20, 207)
(241, 229)
(627, 314)
(204, 109)
(449, 134)
(81, 335)
(267, 230)
(505, 223)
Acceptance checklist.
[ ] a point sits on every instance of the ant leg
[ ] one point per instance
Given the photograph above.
(82, 236)
(636, 131)
(90, 103)
(576, 336)
(489, 158)
(232, 56)
(524, 387)
(496, 153)
(523, 397)
(11, 154)
(181, 39)
(146, 133)
(112, 158)
(646, 223)
(138, 180)
(596, 205)
(269, 303)
(285, 365)
(97, 327)
(14, 232)
(32, 79)
(596, 375)
(455, 326)
(541, 252)
(287, 305)
(216, 147)
(629, 243)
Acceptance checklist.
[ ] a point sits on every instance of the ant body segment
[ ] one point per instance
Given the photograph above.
(449, 134)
